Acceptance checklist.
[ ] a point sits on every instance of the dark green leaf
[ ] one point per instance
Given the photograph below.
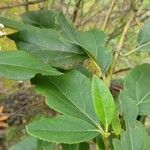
(70, 146)
(72, 91)
(103, 102)
(84, 146)
(18, 25)
(47, 46)
(133, 139)
(80, 146)
(137, 87)
(20, 65)
(62, 129)
(40, 18)
(144, 38)
(93, 41)
(42, 145)
(129, 109)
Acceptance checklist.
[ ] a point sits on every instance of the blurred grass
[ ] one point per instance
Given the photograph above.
(14, 13)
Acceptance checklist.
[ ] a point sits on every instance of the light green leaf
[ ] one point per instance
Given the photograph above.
(93, 41)
(31, 143)
(144, 38)
(133, 139)
(20, 65)
(62, 129)
(103, 102)
(137, 87)
(116, 125)
(40, 18)
(146, 143)
(28, 143)
(47, 46)
(129, 109)
(71, 90)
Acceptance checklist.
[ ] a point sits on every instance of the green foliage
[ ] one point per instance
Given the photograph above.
(137, 87)
(46, 45)
(103, 102)
(62, 129)
(30, 143)
(41, 18)
(132, 139)
(22, 66)
(144, 38)
(96, 50)
(81, 146)
(88, 112)
(69, 90)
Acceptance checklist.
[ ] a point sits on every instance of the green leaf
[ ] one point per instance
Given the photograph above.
(47, 46)
(28, 143)
(116, 125)
(129, 109)
(137, 87)
(31, 143)
(71, 90)
(103, 102)
(67, 28)
(18, 25)
(62, 129)
(133, 139)
(80, 146)
(144, 38)
(40, 18)
(146, 143)
(93, 41)
(20, 65)
(42, 145)
(84, 146)
(70, 146)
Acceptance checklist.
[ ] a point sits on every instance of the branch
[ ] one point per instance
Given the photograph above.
(75, 13)
(108, 15)
(120, 43)
(121, 70)
(118, 30)
(22, 4)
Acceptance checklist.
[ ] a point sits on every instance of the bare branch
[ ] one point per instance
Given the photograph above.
(108, 14)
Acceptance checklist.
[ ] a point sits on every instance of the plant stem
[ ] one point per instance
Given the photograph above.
(106, 143)
(120, 44)
(108, 15)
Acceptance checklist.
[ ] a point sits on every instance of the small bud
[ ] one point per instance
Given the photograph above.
(1, 25)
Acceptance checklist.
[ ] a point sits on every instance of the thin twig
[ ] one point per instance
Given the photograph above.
(75, 13)
(108, 14)
(120, 43)
(122, 70)
(22, 4)
(26, 6)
